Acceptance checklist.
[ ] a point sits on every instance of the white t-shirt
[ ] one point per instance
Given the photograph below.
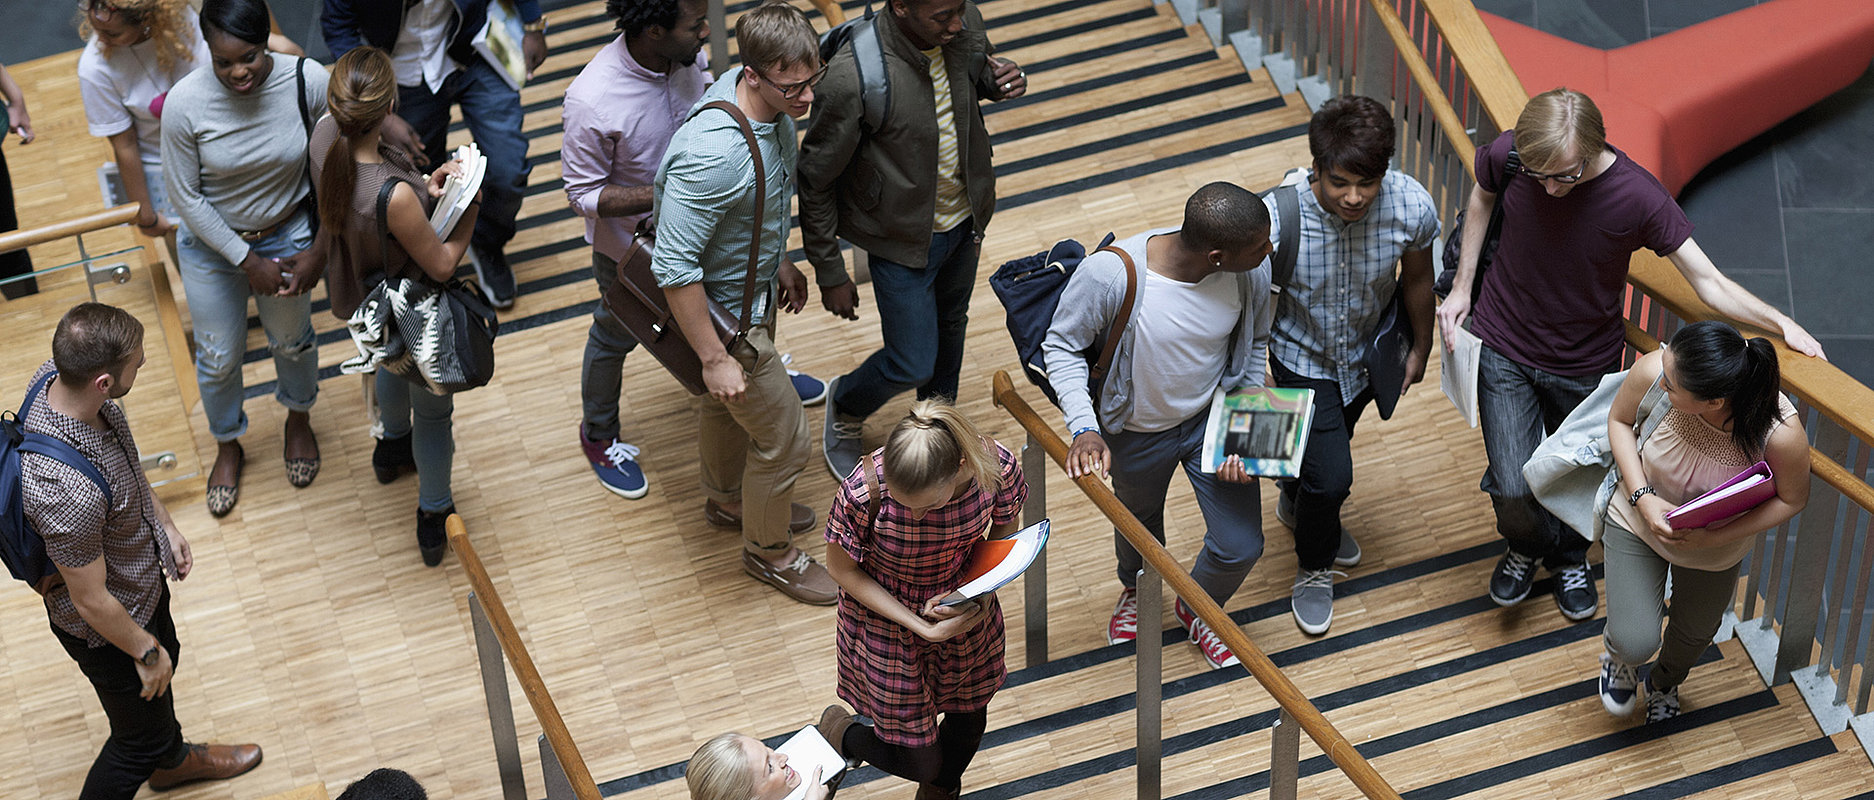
(421, 54)
(118, 86)
(1181, 343)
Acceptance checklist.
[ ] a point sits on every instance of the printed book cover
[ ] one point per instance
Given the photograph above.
(994, 563)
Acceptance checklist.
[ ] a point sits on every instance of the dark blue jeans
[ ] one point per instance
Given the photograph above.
(922, 312)
(1326, 466)
(492, 110)
(1518, 405)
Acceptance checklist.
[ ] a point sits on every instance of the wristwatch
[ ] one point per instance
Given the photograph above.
(1641, 492)
(149, 656)
(537, 26)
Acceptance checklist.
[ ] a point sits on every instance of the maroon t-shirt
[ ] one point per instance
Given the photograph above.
(1551, 297)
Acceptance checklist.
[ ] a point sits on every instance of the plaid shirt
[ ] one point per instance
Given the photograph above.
(1344, 277)
(69, 512)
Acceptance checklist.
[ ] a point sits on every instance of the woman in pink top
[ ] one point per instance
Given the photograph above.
(1725, 415)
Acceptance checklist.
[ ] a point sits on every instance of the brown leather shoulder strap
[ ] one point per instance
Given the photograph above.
(1120, 319)
(761, 207)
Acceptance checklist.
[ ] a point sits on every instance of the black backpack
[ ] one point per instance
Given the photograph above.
(21, 547)
(868, 55)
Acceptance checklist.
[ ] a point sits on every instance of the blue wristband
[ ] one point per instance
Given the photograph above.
(1085, 430)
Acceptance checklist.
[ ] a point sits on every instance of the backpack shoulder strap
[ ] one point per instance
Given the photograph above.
(1288, 213)
(56, 448)
(761, 206)
(1120, 319)
(868, 57)
(1653, 408)
(305, 111)
(383, 225)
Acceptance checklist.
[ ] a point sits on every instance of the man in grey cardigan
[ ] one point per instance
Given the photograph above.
(1172, 357)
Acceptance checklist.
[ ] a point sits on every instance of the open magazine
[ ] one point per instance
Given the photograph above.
(458, 191)
(996, 562)
(805, 751)
(1266, 427)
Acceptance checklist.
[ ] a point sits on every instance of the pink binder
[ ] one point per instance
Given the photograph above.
(1740, 494)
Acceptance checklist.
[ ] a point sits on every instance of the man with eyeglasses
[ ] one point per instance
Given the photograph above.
(1549, 311)
(752, 435)
(915, 194)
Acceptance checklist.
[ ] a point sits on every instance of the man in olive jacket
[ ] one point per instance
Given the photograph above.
(914, 194)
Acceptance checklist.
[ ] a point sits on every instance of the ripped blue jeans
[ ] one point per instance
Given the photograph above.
(218, 292)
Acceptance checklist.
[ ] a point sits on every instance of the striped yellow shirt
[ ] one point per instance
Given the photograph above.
(953, 204)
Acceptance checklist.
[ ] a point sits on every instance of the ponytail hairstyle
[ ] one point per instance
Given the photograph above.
(1713, 361)
(932, 444)
(720, 770)
(363, 88)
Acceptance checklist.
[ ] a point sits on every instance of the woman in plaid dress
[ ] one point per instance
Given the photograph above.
(903, 659)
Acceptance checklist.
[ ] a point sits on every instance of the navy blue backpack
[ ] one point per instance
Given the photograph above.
(20, 546)
(1030, 289)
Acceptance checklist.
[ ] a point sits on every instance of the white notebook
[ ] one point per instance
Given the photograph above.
(805, 751)
(1458, 373)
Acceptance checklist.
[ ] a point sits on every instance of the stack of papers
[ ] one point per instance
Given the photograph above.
(1458, 374)
(459, 190)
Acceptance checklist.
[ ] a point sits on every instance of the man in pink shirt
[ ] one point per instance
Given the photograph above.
(618, 118)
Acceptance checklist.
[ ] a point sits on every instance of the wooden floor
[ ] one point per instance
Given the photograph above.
(311, 626)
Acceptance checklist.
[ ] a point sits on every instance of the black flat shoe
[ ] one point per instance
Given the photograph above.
(432, 538)
(392, 458)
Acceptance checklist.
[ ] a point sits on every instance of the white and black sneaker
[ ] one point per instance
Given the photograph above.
(1511, 580)
(1661, 706)
(1574, 592)
(1620, 684)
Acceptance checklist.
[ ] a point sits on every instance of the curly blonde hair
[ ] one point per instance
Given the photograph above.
(167, 20)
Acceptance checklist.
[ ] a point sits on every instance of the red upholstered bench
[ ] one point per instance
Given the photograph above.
(1677, 102)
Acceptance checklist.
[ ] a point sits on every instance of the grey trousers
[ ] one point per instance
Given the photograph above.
(1636, 606)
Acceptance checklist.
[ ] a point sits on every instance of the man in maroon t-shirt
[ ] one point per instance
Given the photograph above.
(1549, 310)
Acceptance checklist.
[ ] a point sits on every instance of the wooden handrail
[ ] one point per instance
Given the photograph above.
(536, 689)
(831, 10)
(1260, 667)
(1433, 94)
(110, 217)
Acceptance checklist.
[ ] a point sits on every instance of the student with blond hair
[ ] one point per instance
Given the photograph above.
(1548, 310)
(900, 534)
(354, 164)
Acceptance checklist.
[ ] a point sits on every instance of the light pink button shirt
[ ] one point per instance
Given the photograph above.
(618, 119)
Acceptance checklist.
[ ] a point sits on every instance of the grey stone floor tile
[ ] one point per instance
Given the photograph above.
(1822, 156)
(1522, 11)
(1669, 15)
(1772, 286)
(1854, 356)
(1597, 23)
(1829, 257)
(1736, 206)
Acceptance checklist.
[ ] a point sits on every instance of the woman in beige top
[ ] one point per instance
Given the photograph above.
(353, 163)
(1725, 415)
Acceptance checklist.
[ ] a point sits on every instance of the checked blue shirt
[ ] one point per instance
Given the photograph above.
(1344, 277)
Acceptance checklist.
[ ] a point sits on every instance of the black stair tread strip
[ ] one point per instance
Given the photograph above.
(1730, 773)
(1136, 137)
(1598, 746)
(1075, 58)
(1103, 82)
(1315, 649)
(1035, 129)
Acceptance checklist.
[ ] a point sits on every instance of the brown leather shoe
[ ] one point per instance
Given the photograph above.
(799, 519)
(803, 579)
(833, 724)
(207, 762)
(927, 791)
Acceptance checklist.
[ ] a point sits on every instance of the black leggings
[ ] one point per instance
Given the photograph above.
(16, 262)
(940, 764)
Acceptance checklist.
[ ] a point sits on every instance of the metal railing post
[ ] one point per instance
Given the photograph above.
(1035, 580)
(552, 774)
(1284, 757)
(1149, 647)
(500, 708)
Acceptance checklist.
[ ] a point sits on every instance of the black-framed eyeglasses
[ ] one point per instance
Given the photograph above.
(793, 90)
(1559, 177)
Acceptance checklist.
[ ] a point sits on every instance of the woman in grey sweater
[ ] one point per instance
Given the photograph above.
(234, 155)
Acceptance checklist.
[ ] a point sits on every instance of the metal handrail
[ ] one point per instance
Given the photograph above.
(1266, 673)
(553, 726)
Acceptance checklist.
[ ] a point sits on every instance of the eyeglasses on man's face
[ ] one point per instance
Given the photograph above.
(793, 90)
(1558, 177)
